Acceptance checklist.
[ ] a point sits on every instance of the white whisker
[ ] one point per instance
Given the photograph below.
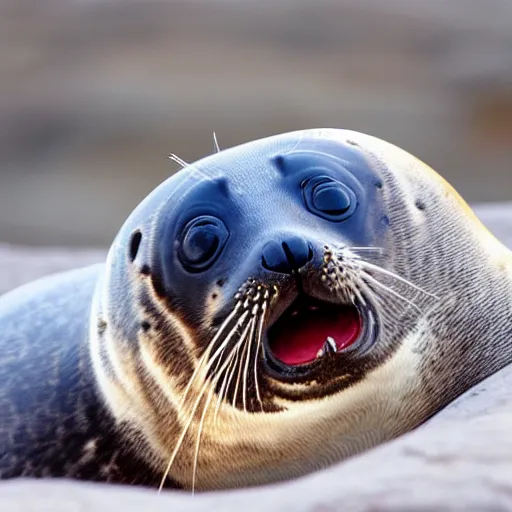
(376, 268)
(191, 417)
(224, 324)
(192, 167)
(178, 160)
(358, 295)
(244, 335)
(258, 345)
(216, 143)
(391, 291)
(247, 361)
(225, 382)
(235, 366)
(369, 249)
(200, 431)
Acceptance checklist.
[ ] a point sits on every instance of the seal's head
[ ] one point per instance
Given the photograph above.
(289, 302)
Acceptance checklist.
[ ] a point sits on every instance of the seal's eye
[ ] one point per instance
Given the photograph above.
(201, 242)
(328, 198)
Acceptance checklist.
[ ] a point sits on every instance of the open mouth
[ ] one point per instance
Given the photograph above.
(311, 329)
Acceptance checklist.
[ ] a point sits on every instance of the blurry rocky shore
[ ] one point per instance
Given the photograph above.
(95, 93)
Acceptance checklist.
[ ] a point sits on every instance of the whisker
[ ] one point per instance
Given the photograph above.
(235, 395)
(192, 414)
(359, 296)
(200, 431)
(219, 361)
(200, 365)
(392, 311)
(206, 382)
(391, 291)
(178, 160)
(366, 249)
(225, 383)
(235, 365)
(230, 334)
(258, 345)
(216, 143)
(224, 324)
(247, 361)
(227, 365)
(222, 347)
(230, 357)
(233, 358)
(193, 168)
(357, 253)
(376, 268)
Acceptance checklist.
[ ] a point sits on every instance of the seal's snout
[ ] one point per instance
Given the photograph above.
(286, 255)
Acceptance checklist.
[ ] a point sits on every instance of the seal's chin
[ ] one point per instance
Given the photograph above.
(310, 330)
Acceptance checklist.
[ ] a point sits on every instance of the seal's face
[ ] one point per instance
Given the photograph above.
(266, 252)
(256, 316)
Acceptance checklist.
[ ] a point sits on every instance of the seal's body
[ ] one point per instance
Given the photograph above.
(53, 420)
(268, 310)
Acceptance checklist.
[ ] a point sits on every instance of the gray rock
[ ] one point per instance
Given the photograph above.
(20, 265)
(460, 460)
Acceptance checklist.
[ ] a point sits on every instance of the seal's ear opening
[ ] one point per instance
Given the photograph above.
(135, 244)
(309, 329)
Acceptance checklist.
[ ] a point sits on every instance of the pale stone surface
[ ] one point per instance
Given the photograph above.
(461, 460)
(20, 265)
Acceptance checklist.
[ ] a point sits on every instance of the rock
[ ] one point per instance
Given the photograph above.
(460, 460)
(20, 265)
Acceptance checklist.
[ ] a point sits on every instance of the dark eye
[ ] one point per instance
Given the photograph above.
(201, 243)
(328, 198)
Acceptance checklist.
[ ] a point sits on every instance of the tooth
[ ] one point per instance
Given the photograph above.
(329, 345)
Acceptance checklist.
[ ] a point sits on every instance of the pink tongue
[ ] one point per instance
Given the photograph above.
(296, 338)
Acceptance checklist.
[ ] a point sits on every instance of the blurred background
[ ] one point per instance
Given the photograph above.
(94, 94)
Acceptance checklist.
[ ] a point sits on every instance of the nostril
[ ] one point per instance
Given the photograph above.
(274, 258)
(287, 256)
(291, 258)
(298, 252)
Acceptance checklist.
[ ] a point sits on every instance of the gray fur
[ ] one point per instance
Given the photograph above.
(53, 421)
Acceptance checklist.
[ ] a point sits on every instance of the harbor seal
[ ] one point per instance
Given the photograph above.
(267, 311)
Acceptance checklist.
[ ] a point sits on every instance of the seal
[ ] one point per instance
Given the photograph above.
(268, 310)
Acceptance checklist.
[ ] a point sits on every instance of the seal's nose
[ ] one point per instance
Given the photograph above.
(284, 256)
